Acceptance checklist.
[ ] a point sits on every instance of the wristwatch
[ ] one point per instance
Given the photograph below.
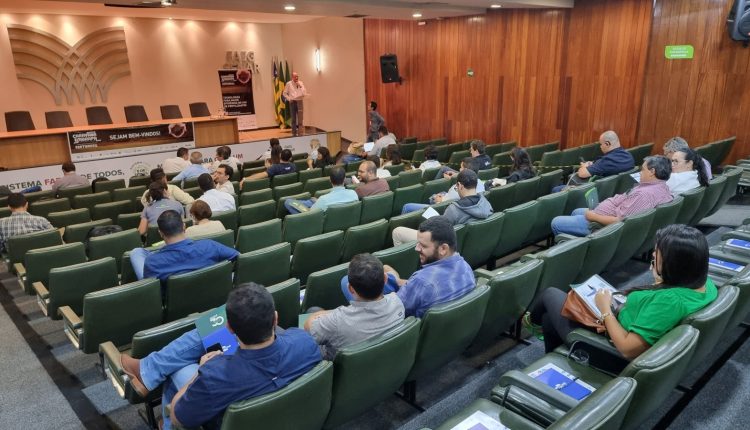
(603, 317)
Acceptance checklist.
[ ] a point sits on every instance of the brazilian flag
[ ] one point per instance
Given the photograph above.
(278, 88)
(287, 78)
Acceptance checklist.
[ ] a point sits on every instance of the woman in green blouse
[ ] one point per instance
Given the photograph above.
(681, 287)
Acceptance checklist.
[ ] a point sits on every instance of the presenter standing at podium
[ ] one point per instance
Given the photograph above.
(294, 92)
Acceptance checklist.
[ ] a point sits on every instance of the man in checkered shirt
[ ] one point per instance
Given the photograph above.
(20, 222)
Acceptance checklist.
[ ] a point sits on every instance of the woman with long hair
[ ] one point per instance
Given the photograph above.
(158, 202)
(522, 167)
(324, 158)
(688, 171)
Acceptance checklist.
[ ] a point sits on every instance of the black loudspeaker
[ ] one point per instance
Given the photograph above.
(738, 21)
(389, 69)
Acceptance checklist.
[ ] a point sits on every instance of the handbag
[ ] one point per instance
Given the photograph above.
(575, 309)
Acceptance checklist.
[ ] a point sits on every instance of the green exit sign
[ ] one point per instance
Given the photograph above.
(678, 52)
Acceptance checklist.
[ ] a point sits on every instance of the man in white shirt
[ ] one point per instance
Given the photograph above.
(222, 177)
(218, 201)
(224, 156)
(383, 141)
(294, 92)
(176, 164)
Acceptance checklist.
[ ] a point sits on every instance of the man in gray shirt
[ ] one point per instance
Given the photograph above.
(369, 314)
(69, 178)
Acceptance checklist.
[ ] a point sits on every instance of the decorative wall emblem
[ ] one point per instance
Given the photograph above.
(90, 66)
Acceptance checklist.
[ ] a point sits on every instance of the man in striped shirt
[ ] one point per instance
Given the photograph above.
(649, 193)
(20, 221)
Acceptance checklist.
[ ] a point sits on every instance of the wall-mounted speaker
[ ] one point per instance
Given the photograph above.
(389, 69)
(738, 21)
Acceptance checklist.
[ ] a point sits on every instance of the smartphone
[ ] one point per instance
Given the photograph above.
(215, 347)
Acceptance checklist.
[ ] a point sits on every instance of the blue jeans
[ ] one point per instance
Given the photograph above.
(575, 224)
(174, 365)
(558, 188)
(412, 207)
(138, 260)
(443, 170)
(291, 209)
(391, 286)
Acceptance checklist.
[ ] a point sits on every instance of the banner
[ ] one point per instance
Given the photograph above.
(141, 164)
(122, 141)
(237, 96)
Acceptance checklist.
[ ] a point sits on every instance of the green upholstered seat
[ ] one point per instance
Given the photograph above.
(454, 161)
(287, 190)
(113, 245)
(433, 187)
(265, 266)
(409, 178)
(39, 195)
(78, 232)
(364, 238)
(550, 161)
(376, 207)
(550, 206)
(130, 193)
(66, 218)
(393, 181)
(711, 322)
(129, 221)
(577, 197)
(640, 152)
(516, 227)
(38, 262)
(260, 235)
(395, 170)
(487, 174)
(481, 239)
(113, 314)
(633, 237)
(43, 208)
(665, 215)
(406, 194)
(225, 237)
(317, 252)
(733, 175)
(316, 184)
(138, 181)
(691, 200)
(228, 218)
(90, 200)
(341, 216)
(309, 174)
(286, 301)
(605, 187)
(602, 247)
(197, 291)
(562, 263)
(429, 174)
(403, 258)
(256, 196)
(18, 246)
(111, 210)
(71, 192)
(109, 186)
(713, 193)
(302, 225)
(285, 179)
(743, 303)
(549, 180)
(255, 184)
(501, 198)
(256, 212)
(352, 167)
(407, 150)
(625, 182)
(281, 210)
(503, 162)
(323, 288)
(409, 220)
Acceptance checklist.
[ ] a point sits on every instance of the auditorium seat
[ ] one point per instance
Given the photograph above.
(129, 220)
(265, 266)
(526, 190)
(406, 194)
(250, 197)
(129, 193)
(395, 170)
(605, 187)
(517, 227)
(225, 237)
(368, 372)
(138, 181)
(307, 174)
(38, 262)
(550, 206)
(281, 211)
(315, 253)
(186, 293)
(228, 219)
(19, 120)
(711, 322)
(550, 161)
(577, 197)
(690, 203)
(316, 184)
(561, 263)
(368, 237)
(602, 247)
(194, 192)
(408, 178)
(88, 201)
(376, 207)
(454, 161)
(5, 212)
(665, 215)
(112, 210)
(58, 119)
(199, 109)
(253, 170)
(256, 184)
(98, 115)
(633, 237)
(300, 165)
(286, 301)
(285, 179)
(713, 193)
(408, 220)
(488, 174)
(603, 409)
(301, 405)
(66, 218)
(393, 182)
(502, 197)
(503, 162)
(113, 245)
(656, 371)
(71, 192)
(135, 113)
(258, 235)
(743, 303)
(323, 288)
(549, 180)
(434, 186)
(170, 112)
(640, 152)
(429, 174)
(446, 331)
(481, 238)
(403, 258)
(285, 190)
(341, 216)
(66, 286)
(302, 225)
(39, 195)
(108, 315)
(733, 175)
(256, 212)
(109, 186)
(18, 246)
(511, 292)
(43, 208)
(78, 232)
(591, 151)
(625, 182)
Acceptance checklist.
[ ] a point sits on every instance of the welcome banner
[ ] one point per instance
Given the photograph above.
(117, 142)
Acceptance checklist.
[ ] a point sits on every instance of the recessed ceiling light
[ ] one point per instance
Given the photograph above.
(290, 8)
(495, 6)
(416, 15)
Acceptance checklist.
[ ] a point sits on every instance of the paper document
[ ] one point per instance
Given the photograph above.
(429, 213)
(726, 265)
(562, 381)
(587, 291)
(368, 146)
(479, 421)
(636, 176)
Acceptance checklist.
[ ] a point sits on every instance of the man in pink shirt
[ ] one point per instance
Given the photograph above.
(649, 193)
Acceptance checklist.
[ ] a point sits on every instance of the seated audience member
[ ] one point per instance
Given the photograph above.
(522, 168)
(338, 194)
(69, 178)
(195, 168)
(354, 153)
(470, 206)
(384, 139)
(323, 159)
(392, 156)
(173, 191)
(679, 144)
(176, 164)
(370, 184)
(217, 200)
(224, 157)
(681, 287)
(312, 157)
(286, 165)
(381, 173)
(649, 193)
(444, 275)
(451, 195)
(273, 153)
(20, 220)
(615, 159)
(180, 254)
(157, 204)
(430, 159)
(369, 314)
(201, 213)
(688, 171)
(199, 386)
(479, 160)
(222, 177)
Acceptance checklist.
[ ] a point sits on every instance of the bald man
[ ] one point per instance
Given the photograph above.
(615, 158)
(294, 92)
(370, 183)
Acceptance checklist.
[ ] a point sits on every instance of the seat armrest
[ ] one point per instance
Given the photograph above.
(562, 237)
(538, 389)
(19, 269)
(111, 357)
(40, 289)
(70, 318)
(527, 257)
(483, 274)
(598, 341)
(601, 352)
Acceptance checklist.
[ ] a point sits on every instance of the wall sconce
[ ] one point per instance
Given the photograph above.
(316, 56)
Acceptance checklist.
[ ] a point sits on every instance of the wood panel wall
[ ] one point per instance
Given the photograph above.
(539, 75)
(703, 99)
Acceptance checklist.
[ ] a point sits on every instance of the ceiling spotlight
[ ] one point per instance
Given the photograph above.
(290, 8)
(495, 6)
(416, 15)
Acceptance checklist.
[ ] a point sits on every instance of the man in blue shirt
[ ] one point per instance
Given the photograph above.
(615, 159)
(199, 386)
(180, 254)
(338, 194)
(195, 168)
